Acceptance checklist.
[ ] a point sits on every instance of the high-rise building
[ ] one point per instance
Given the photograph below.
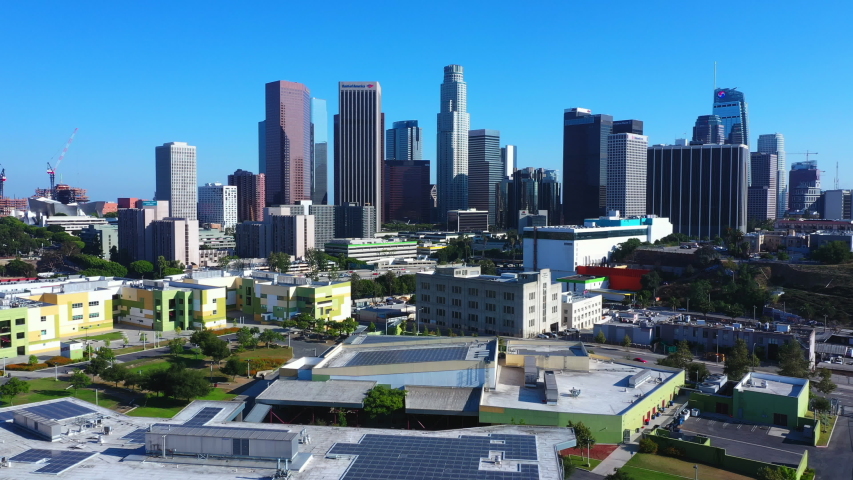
(262, 146)
(730, 105)
(359, 129)
(175, 239)
(627, 126)
(468, 221)
(406, 191)
(837, 205)
(584, 164)
(775, 143)
(134, 236)
(281, 231)
(355, 221)
(485, 170)
(627, 155)
(287, 140)
(804, 187)
(509, 159)
(324, 219)
(709, 129)
(251, 195)
(530, 191)
(320, 158)
(403, 141)
(452, 145)
(762, 192)
(702, 189)
(217, 203)
(176, 179)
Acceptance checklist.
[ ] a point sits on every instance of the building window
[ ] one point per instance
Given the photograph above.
(490, 320)
(554, 309)
(509, 296)
(279, 297)
(440, 312)
(20, 321)
(491, 294)
(456, 289)
(425, 298)
(263, 295)
(94, 304)
(509, 309)
(440, 300)
(44, 332)
(554, 296)
(76, 305)
(531, 309)
(472, 317)
(531, 296)
(456, 314)
(425, 285)
(43, 319)
(531, 322)
(425, 309)
(440, 288)
(94, 315)
(20, 335)
(491, 307)
(78, 317)
(456, 302)
(473, 291)
(214, 312)
(509, 323)
(473, 304)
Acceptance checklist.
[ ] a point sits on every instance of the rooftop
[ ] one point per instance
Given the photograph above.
(419, 353)
(545, 347)
(331, 393)
(602, 391)
(772, 384)
(443, 400)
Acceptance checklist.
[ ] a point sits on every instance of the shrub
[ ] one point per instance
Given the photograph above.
(225, 331)
(672, 452)
(25, 367)
(53, 361)
(258, 364)
(648, 446)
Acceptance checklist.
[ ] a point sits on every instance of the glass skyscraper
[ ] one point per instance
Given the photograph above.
(730, 105)
(320, 157)
(584, 164)
(709, 129)
(403, 141)
(287, 139)
(775, 143)
(452, 145)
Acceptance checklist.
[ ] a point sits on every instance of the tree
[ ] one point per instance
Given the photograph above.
(733, 311)
(776, 473)
(738, 361)
(348, 325)
(217, 350)
(625, 250)
(383, 400)
(270, 336)
(821, 404)
(600, 338)
(833, 253)
(116, 373)
(14, 387)
(188, 384)
(513, 239)
(583, 435)
(246, 338)
(176, 346)
(315, 259)
(232, 367)
(371, 327)
(783, 255)
(33, 360)
(132, 379)
(626, 342)
(651, 280)
(97, 366)
(680, 358)
(79, 380)
(162, 264)
(792, 361)
(825, 385)
(697, 371)
(19, 268)
(279, 262)
(141, 267)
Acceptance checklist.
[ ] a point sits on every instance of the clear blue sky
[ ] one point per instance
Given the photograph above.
(133, 75)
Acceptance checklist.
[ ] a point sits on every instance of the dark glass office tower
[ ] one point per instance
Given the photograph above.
(702, 189)
(628, 126)
(763, 187)
(485, 170)
(730, 105)
(584, 164)
(535, 191)
(287, 143)
(320, 152)
(407, 191)
(804, 187)
(709, 129)
(403, 141)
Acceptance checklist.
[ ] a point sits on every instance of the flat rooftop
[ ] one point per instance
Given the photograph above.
(546, 347)
(331, 393)
(419, 353)
(604, 390)
(772, 384)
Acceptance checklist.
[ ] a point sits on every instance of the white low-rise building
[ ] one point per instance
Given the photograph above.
(581, 311)
(372, 250)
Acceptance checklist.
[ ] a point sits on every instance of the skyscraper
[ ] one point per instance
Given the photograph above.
(485, 169)
(509, 159)
(320, 159)
(584, 164)
(359, 129)
(176, 180)
(534, 191)
(251, 192)
(709, 129)
(702, 189)
(804, 187)
(287, 142)
(262, 146)
(406, 191)
(762, 192)
(628, 126)
(730, 105)
(403, 141)
(452, 152)
(217, 203)
(626, 173)
(775, 143)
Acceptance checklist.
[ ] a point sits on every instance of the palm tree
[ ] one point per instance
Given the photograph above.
(512, 239)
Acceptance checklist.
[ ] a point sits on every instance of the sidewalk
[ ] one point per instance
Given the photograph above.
(617, 459)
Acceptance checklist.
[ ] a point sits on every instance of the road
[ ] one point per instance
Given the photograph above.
(836, 461)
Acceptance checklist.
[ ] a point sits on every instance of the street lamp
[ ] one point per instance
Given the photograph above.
(248, 371)
(824, 322)
(696, 476)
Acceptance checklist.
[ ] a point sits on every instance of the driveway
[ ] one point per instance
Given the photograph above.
(757, 442)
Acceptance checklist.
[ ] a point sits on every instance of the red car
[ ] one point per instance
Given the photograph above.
(638, 359)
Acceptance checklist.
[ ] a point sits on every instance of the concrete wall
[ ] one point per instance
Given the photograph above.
(551, 362)
(471, 377)
(605, 428)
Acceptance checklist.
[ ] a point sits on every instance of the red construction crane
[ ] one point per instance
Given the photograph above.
(52, 170)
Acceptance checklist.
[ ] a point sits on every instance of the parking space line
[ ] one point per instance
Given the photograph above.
(739, 425)
(725, 425)
(747, 443)
(753, 428)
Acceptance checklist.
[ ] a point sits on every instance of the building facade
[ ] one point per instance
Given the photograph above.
(580, 311)
(356, 221)
(251, 195)
(709, 129)
(529, 192)
(485, 170)
(470, 220)
(176, 179)
(509, 159)
(406, 191)
(730, 105)
(761, 204)
(804, 188)
(217, 203)
(837, 205)
(270, 296)
(403, 141)
(626, 173)
(175, 239)
(359, 129)
(104, 236)
(774, 143)
(319, 152)
(702, 189)
(584, 164)
(371, 250)
(517, 305)
(287, 142)
(134, 235)
(452, 143)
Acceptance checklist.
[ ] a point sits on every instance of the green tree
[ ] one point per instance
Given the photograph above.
(383, 400)
(33, 360)
(825, 385)
(269, 337)
(79, 380)
(733, 311)
(217, 350)
(97, 366)
(600, 338)
(738, 361)
(19, 268)
(626, 341)
(188, 384)
(246, 338)
(279, 262)
(697, 371)
(626, 249)
(132, 379)
(116, 373)
(680, 358)
(833, 253)
(776, 473)
(176, 346)
(316, 259)
(783, 255)
(140, 268)
(792, 361)
(583, 435)
(821, 404)
(106, 353)
(371, 327)
(232, 367)
(14, 387)
(651, 280)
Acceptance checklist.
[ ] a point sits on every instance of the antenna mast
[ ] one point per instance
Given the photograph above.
(836, 175)
(715, 75)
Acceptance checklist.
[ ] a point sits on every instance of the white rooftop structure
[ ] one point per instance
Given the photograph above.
(771, 384)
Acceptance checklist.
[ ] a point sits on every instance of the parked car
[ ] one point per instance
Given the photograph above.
(638, 359)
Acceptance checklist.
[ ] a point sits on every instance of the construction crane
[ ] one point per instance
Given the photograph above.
(2, 180)
(806, 153)
(51, 171)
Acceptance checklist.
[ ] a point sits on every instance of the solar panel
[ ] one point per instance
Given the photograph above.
(33, 455)
(7, 416)
(417, 355)
(57, 461)
(408, 458)
(203, 416)
(136, 436)
(60, 410)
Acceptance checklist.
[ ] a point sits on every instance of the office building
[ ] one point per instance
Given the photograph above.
(251, 195)
(175, 239)
(134, 236)
(626, 173)
(563, 248)
(324, 219)
(371, 250)
(485, 170)
(217, 203)
(403, 141)
(287, 142)
(470, 220)
(628, 126)
(176, 179)
(320, 157)
(581, 311)
(730, 105)
(837, 205)
(775, 143)
(509, 159)
(355, 221)
(262, 146)
(529, 192)
(452, 143)
(406, 191)
(513, 304)
(761, 204)
(584, 164)
(804, 188)
(702, 189)
(359, 129)
(103, 237)
(709, 129)
(280, 231)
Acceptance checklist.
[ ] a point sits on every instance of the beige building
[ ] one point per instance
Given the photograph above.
(580, 311)
(513, 304)
(175, 239)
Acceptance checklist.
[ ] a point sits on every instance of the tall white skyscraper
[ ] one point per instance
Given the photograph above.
(627, 157)
(774, 143)
(509, 158)
(452, 156)
(176, 180)
(217, 203)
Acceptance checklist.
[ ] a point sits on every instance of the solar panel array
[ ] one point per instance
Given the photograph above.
(136, 436)
(397, 457)
(6, 416)
(416, 355)
(60, 410)
(203, 416)
(57, 461)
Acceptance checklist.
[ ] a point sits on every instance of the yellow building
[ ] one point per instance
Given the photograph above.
(164, 305)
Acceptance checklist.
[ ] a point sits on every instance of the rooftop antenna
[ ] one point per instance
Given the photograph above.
(715, 75)
(836, 176)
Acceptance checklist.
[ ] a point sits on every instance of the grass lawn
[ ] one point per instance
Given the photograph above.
(104, 336)
(643, 466)
(47, 389)
(263, 352)
(826, 432)
(582, 463)
(165, 407)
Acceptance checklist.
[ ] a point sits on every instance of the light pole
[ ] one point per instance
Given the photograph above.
(248, 371)
(753, 314)
(696, 476)
(751, 360)
(824, 322)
